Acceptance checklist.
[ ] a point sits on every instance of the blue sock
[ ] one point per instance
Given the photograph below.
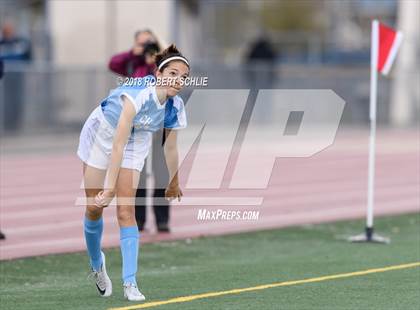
(93, 234)
(129, 243)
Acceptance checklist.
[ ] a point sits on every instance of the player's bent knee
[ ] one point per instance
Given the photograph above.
(125, 215)
(93, 212)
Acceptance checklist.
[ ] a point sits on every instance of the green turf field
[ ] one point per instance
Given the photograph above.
(182, 268)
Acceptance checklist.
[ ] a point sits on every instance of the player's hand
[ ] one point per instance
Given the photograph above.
(173, 192)
(104, 198)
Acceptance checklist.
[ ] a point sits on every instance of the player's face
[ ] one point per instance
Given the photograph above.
(177, 71)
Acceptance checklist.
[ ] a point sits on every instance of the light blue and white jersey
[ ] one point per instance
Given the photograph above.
(150, 114)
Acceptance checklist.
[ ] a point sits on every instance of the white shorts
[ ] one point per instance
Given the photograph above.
(95, 144)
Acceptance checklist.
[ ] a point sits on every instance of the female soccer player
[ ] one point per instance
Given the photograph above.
(113, 144)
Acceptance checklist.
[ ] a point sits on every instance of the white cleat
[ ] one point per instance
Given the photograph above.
(132, 293)
(102, 281)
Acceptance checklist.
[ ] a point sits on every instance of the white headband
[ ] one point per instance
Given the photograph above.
(173, 58)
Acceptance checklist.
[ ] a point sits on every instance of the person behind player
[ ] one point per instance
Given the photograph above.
(113, 144)
(139, 61)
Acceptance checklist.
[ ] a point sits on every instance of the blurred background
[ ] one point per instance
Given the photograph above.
(60, 72)
(56, 56)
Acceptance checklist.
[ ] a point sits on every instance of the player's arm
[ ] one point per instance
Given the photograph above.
(122, 133)
(171, 155)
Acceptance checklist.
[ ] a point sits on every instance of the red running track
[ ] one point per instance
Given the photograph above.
(38, 193)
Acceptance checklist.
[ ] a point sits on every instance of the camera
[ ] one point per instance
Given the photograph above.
(151, 48)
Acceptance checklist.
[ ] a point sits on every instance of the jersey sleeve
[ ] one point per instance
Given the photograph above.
(175, 116)
(131, 99)
(137, 90)
(136, 99)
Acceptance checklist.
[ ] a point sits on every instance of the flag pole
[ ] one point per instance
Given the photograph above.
(369, 235)
(372, 118)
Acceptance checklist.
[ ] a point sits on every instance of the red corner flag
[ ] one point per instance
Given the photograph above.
(384, 48)
(388, 42)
